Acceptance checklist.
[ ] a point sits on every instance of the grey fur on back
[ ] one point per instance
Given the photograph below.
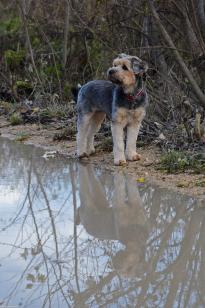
(103, 95)
(96, 95)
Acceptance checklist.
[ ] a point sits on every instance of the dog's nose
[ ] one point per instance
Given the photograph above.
(111, 71)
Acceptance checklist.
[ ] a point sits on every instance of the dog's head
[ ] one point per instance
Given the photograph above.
(126, 70)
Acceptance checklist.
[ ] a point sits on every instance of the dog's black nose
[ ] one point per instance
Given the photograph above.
(111, 71)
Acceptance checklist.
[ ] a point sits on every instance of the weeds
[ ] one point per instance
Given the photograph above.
(16, 119)
(68, 133)
(21, 136)
(45, 116)
(14, 58)
(106, 144)
(200, 183)
(178, 162)
(5, 107)
(57, 110)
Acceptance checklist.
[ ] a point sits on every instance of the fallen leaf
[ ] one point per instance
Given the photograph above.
(141, 180)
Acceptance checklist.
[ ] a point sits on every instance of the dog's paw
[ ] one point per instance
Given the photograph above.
(91, 152)
(133, 157)
(120, 162)
(82, 155)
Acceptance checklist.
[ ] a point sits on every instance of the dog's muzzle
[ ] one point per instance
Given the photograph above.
(111, 76)
(110, 72)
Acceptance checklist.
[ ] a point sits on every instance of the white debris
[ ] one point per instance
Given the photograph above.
(161, 136)
(49, 154)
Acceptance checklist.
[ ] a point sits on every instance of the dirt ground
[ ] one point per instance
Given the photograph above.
(144, 170)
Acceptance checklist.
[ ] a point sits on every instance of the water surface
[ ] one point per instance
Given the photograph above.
(74, 236)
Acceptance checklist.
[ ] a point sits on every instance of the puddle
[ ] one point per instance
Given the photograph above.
(73, 236)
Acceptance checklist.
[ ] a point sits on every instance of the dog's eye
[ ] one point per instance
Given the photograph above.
(124, 67)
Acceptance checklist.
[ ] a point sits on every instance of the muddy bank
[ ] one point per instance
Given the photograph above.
(143, 170)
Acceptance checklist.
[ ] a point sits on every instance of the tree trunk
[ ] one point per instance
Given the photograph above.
(21, 4)
(144, 39)
(193, 42)
(200, 95)
(66, 30)
(201, 13)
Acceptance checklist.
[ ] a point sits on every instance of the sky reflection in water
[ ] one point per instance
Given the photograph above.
(73, 236)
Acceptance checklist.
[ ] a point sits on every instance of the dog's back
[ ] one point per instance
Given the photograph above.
(96, 95)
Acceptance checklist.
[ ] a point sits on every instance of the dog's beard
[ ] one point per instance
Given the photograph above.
(115, 80)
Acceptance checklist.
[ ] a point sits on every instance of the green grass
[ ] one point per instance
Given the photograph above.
(68, 133)
(106, 144)
(179, 162)
(6, 106)
(16, 119)
(21, 136)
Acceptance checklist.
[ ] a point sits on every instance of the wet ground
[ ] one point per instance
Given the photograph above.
(147, 167)
(74, 236)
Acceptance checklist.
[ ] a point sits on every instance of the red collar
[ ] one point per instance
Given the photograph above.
(133, 98)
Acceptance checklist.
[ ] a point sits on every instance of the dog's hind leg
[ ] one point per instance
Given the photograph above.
(82, 135)
(118, 141)
(95, 123)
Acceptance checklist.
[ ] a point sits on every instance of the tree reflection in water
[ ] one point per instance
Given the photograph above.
(73, 236)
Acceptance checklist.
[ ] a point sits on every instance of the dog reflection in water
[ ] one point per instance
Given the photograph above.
(115, 212)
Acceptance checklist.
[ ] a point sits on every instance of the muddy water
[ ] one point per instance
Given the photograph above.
(73, 236)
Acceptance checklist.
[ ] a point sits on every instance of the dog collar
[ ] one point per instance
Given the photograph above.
(133, 98)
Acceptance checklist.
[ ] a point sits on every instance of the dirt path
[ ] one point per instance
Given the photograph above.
(143, 170)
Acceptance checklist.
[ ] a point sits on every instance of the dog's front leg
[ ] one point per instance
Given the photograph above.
(118, 144)
(132, 134)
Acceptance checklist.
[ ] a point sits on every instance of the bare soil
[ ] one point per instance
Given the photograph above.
(144, 170)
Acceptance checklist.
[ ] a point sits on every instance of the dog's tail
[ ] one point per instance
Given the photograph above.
(75, 91)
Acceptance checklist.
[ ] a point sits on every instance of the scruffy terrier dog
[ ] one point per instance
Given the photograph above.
(123, 99)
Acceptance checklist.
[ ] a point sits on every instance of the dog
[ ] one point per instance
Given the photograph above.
(123, 98)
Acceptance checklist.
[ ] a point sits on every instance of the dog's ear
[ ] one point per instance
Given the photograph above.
(138, 65)
(123, 55)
